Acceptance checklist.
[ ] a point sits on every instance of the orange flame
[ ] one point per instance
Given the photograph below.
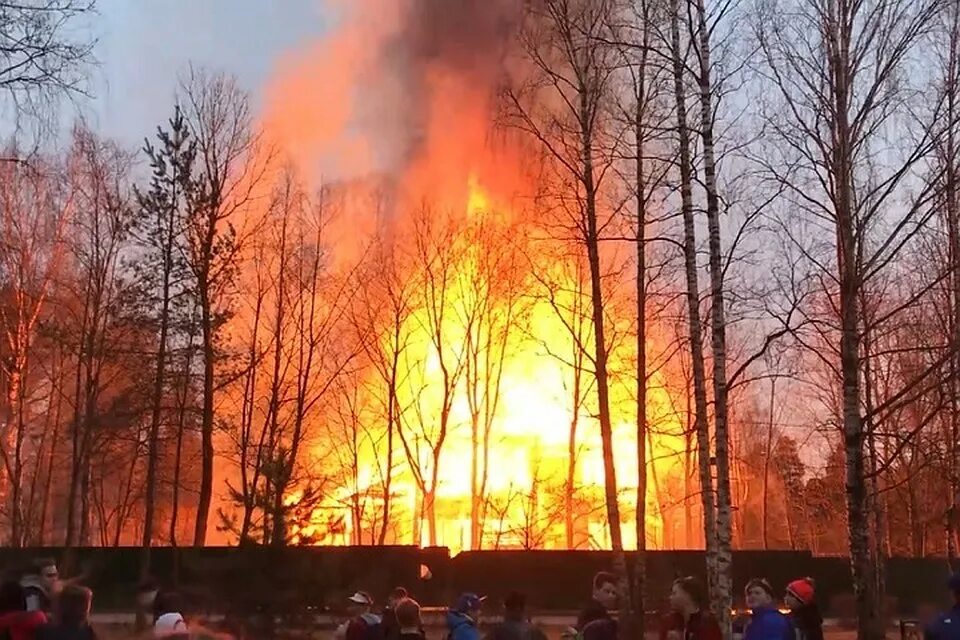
(317, 112)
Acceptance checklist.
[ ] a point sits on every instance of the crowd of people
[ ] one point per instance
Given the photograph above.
(688, 619)
(38, 605)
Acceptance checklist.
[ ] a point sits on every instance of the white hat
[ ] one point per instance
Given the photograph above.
(361, 597)
(169, 624)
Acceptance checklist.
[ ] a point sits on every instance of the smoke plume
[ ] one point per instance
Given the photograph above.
(392, 86)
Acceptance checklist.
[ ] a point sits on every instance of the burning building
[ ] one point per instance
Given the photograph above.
(464, 414)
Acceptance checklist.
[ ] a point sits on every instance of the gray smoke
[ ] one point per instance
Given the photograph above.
(467, 37)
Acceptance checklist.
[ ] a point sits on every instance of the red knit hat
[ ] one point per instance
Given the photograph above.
(802, 590)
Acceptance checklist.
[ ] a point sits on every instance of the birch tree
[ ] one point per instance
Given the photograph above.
(34, 212)
(839, 70)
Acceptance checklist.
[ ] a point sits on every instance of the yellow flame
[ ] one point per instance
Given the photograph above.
(527, 470)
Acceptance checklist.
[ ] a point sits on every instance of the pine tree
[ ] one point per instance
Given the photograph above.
(161, 271)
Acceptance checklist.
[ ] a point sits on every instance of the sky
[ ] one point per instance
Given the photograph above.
(143, 45)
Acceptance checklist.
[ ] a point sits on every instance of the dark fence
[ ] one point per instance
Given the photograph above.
(250, 579)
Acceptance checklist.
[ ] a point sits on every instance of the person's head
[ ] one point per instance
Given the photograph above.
(800, 593)
(73, 605)
(170, 626)
(408, 614)
(396, 596)
(167, 602)
(759, 594)
(687, 595)
(360, 603)
(514, 605)
(605, 589)
(469, 604)
(12, 597)
(46, 570)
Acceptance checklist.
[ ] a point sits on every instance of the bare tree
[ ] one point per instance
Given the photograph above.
(946, 44)
(41, 55)
(564, 290)
(490, 309)
(564, 43)
(232, 163)
(699, 378)
(35, 210)
(437, 255)
(99, 233)
(384, 305)
(838, 72)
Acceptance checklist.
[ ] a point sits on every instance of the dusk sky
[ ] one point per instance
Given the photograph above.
(144, 45)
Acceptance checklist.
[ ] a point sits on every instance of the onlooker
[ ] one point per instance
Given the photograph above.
(766, 621)
(71, 617)
(15, 621)
(170, 626)
(516, 625)
(946, 626)
(41, 585)
(604, 599)
(804, 612)
(410, 627)
(364, 624)
(167, 601)
(688, 620)
(462, 618)
(391, 628)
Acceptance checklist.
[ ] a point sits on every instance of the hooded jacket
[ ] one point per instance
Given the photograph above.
(766, 623)
(22, 625)
(462, 626)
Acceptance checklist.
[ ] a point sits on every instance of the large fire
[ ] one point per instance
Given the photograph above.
(493, 381)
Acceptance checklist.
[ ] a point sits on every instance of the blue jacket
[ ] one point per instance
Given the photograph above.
(946, 626)
(462, 626)
(768, 624)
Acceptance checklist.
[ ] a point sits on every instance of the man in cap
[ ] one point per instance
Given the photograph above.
(462, 618)
(364, 624)
(946, 626)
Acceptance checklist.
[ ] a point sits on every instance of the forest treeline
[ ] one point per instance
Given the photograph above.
(742, 218)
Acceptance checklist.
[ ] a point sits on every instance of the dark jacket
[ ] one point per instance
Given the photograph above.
(516, 629)
(593, 611)
(767, 623)
(65, 632)
(22, 625)
(411, 636)
(391, 628)
(945, 626)
(699, 626)
(461, 626)
(364, 627)
(807, 622)
(601, 629)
